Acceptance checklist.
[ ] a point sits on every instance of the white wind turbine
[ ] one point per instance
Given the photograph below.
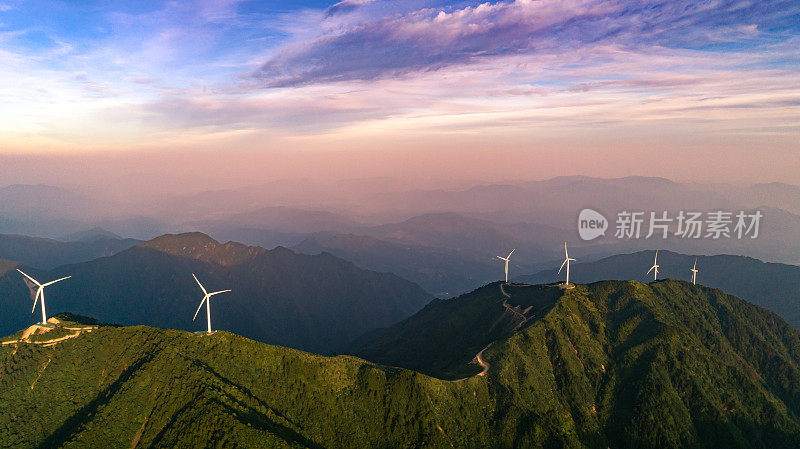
(207, 301)
(566, 262)
(654, 267)
(40, 293)
(507, 258)
(694, 271)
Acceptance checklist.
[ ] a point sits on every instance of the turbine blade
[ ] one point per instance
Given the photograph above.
(36, 298)
(512, 252)
(32, 279)
(566, 254)
(205, 298)
(501, 258)
(57, 280)
(562, 266)
(201, 285)
(217, 293)
(651, 269)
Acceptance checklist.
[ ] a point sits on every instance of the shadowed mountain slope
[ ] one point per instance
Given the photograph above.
(318, 303)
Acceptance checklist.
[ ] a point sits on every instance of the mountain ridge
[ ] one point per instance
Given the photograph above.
(774, 286)
(200, 246)
(610, 364)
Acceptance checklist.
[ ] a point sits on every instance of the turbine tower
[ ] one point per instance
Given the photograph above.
(654, 267)
(40, 293)
(507, 258)
(694, 271)
(207, 301)
(566, 262)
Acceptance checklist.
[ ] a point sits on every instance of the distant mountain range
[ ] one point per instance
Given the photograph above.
(285, 219)
(535, 213)
(442, 271)
(610, 364)
(47, 253)
(91, 235)
(475, 238)
(446, 253)
(409, 249)
(319, 303)
(773, 286)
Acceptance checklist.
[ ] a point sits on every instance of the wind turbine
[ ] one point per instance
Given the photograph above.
(566, 262)
(207, 301)
(694, 271)
(40, 293)
(507, 258)
(654, 267)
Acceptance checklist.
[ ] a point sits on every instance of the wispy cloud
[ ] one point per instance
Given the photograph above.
(345, 6)
(429, 39)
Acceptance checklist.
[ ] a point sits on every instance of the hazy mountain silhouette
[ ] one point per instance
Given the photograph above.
(474, 238)
(442, 271)
(91, 235)
(48, 253)
(287, 211)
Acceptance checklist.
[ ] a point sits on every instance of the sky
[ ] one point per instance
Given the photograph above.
(103, 91)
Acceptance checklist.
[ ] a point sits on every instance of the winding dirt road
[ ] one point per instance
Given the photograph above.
(515, 310)
(482, 362)
(38, 329)
(479, 360)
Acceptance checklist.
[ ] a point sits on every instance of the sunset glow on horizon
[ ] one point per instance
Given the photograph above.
(630, 81)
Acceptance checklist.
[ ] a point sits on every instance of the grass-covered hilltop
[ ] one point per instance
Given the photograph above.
(609, 364)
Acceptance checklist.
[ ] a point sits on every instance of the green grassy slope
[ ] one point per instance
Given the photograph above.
(610, 364)
(622, 364)
(626, 364)
(164, 388)
(774, 286)
(444, 337)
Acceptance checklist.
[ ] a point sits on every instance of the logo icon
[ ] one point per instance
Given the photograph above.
(591, 224)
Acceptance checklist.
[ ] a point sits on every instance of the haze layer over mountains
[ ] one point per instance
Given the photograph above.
(443, 238)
